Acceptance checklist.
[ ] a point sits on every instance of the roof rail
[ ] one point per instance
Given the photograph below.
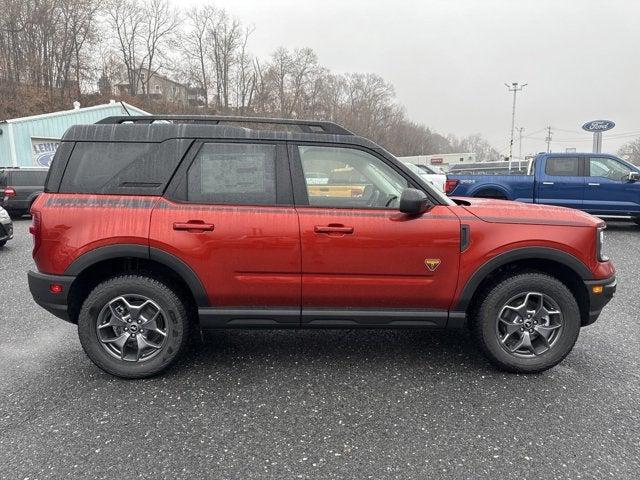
(306, 126)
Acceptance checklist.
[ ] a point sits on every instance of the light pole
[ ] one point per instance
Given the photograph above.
(515, 88)
(520, 130)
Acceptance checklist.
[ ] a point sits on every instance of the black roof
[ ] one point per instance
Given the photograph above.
(157, 129)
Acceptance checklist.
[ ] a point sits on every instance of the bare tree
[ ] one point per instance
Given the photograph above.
(196, 46)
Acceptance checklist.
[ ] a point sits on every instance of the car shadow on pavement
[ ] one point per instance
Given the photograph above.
(365, 348)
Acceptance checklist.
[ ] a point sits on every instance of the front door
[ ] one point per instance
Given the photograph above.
(363, 262)
(230, 218)
(608, 188)
(561, 182)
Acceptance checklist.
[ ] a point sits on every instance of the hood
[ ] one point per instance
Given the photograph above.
(506, 211)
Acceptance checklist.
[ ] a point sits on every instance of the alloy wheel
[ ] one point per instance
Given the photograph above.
(132, 328)
(529, 324)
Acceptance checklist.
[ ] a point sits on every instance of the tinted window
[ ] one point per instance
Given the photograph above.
(3, 179)
(608, 168)
(28, 178)
(563, 166)
(350, 178)
(233, 173)
(122, 168)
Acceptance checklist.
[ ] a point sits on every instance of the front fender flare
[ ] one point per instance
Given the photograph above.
(524, 253)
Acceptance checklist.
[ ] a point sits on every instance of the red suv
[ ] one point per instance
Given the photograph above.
(150, 227)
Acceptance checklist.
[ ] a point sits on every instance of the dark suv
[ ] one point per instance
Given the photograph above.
(149, 230)
(19, 187)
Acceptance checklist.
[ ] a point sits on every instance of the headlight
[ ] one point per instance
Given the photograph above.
(600, 245)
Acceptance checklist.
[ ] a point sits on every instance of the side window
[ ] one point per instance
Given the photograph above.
(608, 168)
(134, 168)
(346, 177)
(233, 173)
(563, 166)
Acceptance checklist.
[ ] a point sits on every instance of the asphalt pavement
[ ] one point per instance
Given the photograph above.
(320, 404)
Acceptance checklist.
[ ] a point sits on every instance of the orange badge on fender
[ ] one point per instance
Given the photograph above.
(432, 263)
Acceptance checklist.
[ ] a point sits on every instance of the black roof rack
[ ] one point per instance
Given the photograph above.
(305, 126)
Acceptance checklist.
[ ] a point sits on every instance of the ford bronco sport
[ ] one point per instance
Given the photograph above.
(152, 227)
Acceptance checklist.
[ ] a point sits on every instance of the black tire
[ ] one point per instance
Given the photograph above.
(637, 220)
(485, 329)
(177, 325)
(16, 214)
(495, 194)
(3, 243)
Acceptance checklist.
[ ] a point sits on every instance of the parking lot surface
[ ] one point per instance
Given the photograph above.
(320, 404)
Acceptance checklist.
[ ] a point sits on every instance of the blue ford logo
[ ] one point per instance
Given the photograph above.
(45, 159)
(598, 126)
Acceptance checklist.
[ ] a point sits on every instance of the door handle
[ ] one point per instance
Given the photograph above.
(333, 228)
(547, 183)
(594, 184)
(194, 226)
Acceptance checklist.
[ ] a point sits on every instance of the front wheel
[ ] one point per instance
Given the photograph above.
(527, 323)
(133, 326)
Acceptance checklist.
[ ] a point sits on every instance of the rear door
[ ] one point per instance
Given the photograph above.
(363, 262)
(229, 216)
(608, 189)
(561, 181)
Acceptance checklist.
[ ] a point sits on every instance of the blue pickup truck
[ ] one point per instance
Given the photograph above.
(596, 183)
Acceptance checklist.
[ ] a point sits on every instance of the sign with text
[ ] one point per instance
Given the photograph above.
(43, 150)
(598, 126)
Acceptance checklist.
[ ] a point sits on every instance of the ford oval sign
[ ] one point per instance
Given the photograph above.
(598, 126)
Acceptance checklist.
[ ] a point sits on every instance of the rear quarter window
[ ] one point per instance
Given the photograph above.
(27, 178)
(124, 168)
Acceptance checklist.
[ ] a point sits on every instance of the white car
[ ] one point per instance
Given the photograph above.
(429, 174)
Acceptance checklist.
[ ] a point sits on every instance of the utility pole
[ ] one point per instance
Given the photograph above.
(548, 139)
(515, 88)
(520, 130)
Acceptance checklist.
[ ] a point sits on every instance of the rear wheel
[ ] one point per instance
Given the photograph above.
(527, 323)
(498, 195)
(16, 214)
(3, 243)
(133, 326)
(637, 220)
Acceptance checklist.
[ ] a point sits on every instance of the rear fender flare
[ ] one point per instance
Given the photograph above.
(145, 252)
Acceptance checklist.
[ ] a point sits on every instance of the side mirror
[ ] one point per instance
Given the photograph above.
(413, 201)
(634, 176)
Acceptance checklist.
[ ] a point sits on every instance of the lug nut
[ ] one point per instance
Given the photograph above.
(129, 321)
(531, 330)
(126, 329)
(535, 322)
(139, 321)
(521, 329)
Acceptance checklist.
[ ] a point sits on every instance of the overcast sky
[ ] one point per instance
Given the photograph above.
(449, 59)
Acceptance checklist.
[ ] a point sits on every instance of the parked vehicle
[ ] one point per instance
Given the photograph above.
(438, 180)
(147, 231)
(6, 227)
(19, 187)
(491, 168)
(596, 183)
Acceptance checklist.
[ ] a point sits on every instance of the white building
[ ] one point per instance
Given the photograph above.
(441, 160)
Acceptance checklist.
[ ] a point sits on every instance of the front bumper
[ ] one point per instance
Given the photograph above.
(55, 303)
(6, 230)
(597, 301)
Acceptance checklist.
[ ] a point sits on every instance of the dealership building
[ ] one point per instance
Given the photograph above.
(32, 141)
(442, 160)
